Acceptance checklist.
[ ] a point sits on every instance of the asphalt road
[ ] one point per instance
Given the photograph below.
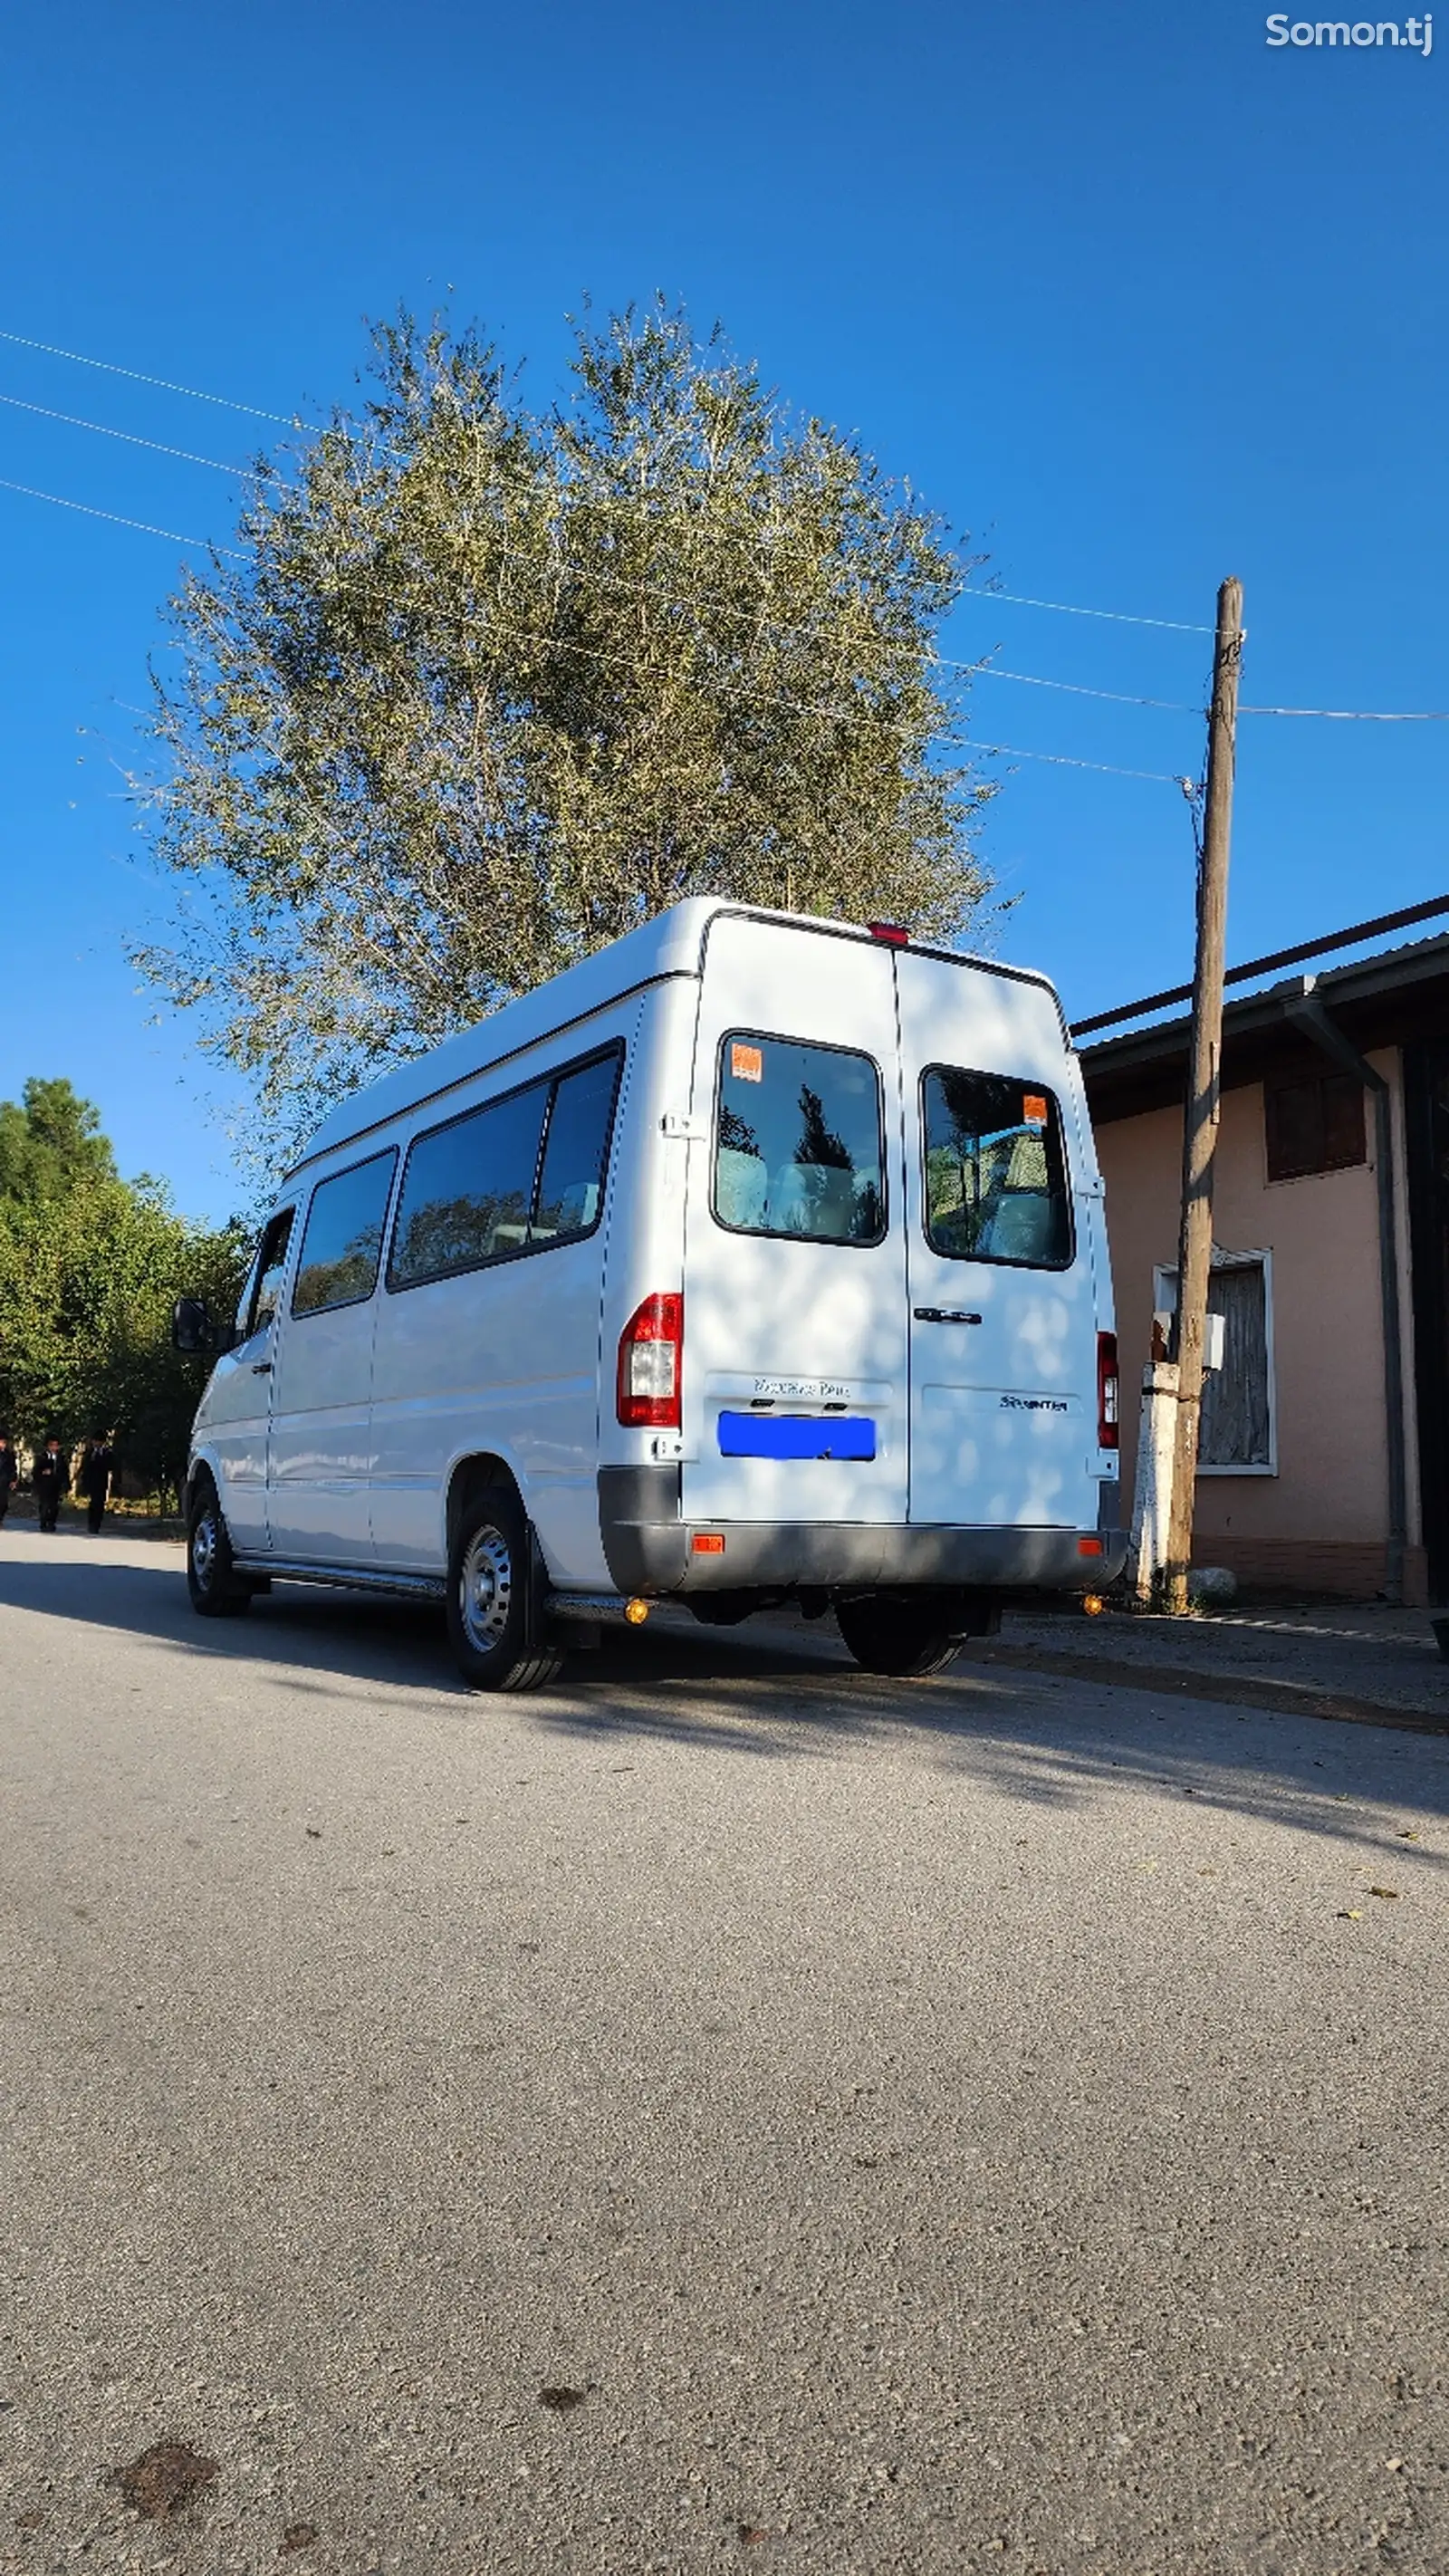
(991, 2124)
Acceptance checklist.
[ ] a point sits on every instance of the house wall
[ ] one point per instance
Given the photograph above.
(1319, 1523)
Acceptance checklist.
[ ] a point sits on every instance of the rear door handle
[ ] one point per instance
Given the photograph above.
(943, 1315)
(261, 1368)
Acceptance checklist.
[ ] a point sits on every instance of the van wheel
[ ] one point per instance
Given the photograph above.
(488, 1577)
(908, 1638)
(215, 1590)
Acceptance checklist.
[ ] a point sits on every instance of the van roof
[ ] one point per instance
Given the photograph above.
(670, 944)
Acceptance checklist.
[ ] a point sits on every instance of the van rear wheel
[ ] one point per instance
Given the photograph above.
(905, 1638)
(488, 1608)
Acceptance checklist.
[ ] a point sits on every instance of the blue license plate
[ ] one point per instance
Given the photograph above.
(796, 1435)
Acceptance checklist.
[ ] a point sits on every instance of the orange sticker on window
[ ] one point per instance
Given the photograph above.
(747, 1063)
(1034, 1110)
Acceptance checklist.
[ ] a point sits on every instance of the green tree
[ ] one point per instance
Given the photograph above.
(89, 1268)
(485, 690)
(50, 1143)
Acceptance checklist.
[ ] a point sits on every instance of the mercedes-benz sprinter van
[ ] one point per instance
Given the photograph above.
(756, 1259)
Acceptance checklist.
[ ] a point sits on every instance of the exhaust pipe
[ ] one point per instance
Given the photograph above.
(598, 1609)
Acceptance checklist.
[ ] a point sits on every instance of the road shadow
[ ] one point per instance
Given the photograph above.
(784, 1690)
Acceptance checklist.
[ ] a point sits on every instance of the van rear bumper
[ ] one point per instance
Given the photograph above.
(648, 1548)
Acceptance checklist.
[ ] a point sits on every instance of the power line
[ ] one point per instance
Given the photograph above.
(1064, 760)
(1060, 607)
(1073, 688)
(136, 376)
(287, 420)
(103, 430)
(1355, 715)
(942, 661)
(89, 511)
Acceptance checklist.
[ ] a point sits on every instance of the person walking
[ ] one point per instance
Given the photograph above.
(98, 1466)
(9, 1473)
(51, 1479)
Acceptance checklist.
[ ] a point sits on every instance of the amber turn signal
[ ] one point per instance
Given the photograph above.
(636, 1612)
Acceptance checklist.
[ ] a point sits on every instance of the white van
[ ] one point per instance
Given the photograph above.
(757, 1259)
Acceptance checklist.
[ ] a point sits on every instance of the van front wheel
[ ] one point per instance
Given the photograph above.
(488, 1609)
(906, 1638)
(215, 1590)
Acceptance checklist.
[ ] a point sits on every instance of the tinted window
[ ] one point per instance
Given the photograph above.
(467, 1192)
(343, 1240)
(995, 1179)
(571, 1188)
(1314, 1124)
(271, 1262)
(798, 1144)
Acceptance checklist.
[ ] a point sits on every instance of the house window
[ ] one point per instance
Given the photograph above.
(1237, 1435)
(1314, 1123)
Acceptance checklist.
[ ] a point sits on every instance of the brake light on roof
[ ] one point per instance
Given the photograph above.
(650, 1352)
(890, 933)
(1107, 1408)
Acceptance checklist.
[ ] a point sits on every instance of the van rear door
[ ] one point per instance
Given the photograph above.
(1001, 1293)
(794, 1371)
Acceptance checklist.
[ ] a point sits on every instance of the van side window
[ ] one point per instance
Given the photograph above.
(492, 1184)
(343, 1240)
(576, 1151)
(271, 1263)
(798, 1141)
(995, 1173)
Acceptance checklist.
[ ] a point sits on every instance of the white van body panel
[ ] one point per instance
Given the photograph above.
(502, 1361)
(231, 1439)
(334, 1437)
(319, 1445)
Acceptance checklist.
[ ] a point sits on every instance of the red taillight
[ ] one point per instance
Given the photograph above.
(892, 934)
(1107, 1391)
(650, 1350)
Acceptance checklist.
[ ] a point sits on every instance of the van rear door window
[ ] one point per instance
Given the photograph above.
(340, 1249)
(798, 1141)
(995, 1174)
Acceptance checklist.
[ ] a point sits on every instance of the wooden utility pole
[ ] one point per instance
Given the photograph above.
(1200, 1123)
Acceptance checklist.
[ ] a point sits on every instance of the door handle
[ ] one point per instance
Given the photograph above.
(261, 1368)
(943, 1315)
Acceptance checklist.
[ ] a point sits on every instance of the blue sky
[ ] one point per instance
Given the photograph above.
(1131, 297)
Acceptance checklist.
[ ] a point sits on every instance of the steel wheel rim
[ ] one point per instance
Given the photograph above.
(203, 1551)
(485, 1589)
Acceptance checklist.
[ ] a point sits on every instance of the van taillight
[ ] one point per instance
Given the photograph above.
(1107, 1391)
(650, 1349)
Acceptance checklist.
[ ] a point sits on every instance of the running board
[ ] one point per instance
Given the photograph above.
(592, 1608)
(425, 1587)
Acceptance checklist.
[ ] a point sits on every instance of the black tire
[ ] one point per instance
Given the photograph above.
(906, 1638)
(490, 1569)
(216, 1592)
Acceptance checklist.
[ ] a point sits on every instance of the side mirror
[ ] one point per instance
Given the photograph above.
(190, 1326)
(194, 1333)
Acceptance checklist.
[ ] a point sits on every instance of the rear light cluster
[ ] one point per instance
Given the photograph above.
(650, 1351)
(1107, 1407)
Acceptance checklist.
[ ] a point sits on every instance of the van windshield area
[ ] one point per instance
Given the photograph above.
(995, 1177)
(798, 1141)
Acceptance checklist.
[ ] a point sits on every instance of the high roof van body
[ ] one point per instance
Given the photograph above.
(757, 1258)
